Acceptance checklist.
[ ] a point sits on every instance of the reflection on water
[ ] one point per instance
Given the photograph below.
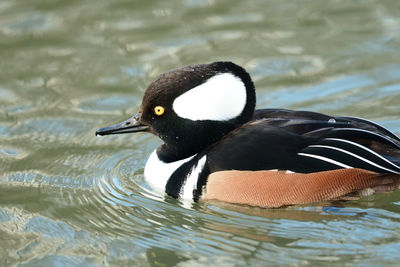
(68, 68)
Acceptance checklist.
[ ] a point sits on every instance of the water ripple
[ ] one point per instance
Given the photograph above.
(68, 198)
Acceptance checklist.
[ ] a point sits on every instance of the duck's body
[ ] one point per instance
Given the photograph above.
(217, 147)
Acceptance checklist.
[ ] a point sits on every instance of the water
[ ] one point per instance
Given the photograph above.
(70, 67)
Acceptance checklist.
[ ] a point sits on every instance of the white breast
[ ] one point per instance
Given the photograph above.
(157, 172)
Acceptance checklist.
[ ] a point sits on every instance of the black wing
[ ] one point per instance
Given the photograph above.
(306, 142)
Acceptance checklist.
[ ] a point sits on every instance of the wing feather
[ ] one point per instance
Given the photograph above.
(348, 154)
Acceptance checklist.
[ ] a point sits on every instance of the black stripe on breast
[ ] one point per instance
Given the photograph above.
(177, 180)
(201, 181)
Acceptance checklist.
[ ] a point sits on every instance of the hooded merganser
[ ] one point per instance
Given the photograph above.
(217, 146)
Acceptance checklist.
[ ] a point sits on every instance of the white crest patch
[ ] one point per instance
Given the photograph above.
(221, 97)
(157, 172)
(191, 180)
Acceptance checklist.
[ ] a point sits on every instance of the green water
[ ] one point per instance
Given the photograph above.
(68, 198)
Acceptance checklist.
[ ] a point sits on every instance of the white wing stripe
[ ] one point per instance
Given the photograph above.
(374, 124)
(371, 133)
(365, 148)
(356, 156)
(326, 159)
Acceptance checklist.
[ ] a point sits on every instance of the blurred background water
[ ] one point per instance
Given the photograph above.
(70, 67)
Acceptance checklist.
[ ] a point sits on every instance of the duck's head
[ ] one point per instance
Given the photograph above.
(191, 107)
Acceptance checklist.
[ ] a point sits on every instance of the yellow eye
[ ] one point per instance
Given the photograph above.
(159, 110)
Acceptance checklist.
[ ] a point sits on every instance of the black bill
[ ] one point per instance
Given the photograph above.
(129, 126)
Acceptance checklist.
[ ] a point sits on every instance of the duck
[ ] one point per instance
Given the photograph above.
(217, 147)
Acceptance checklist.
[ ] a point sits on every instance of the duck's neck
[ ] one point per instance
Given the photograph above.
(172, 153)
(181, 143)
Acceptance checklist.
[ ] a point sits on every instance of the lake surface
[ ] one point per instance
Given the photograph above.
(68, 198)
